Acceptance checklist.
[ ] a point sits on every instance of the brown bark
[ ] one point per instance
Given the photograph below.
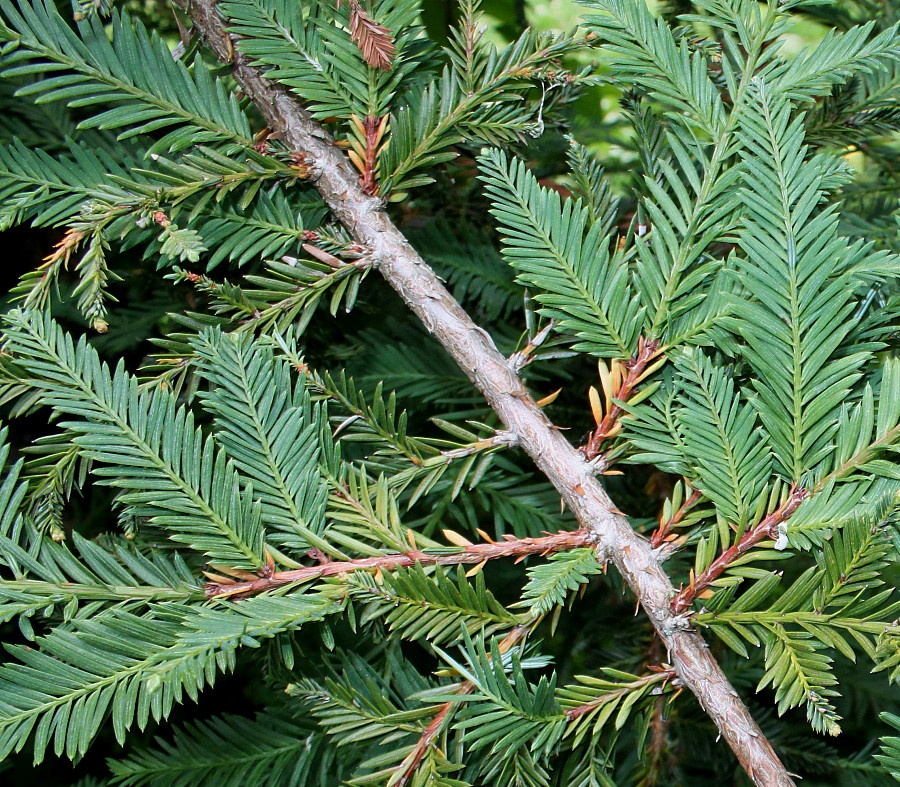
(473, 350)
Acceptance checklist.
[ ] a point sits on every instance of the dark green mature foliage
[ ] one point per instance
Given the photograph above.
(231, 395)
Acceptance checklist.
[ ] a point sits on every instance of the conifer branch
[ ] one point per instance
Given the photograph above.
(767, 528)
(473, 553)
(657, 675)
(636, 370)
(407, 769)
(474, 351)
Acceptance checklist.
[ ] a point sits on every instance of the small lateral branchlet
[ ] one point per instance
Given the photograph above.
(619, 384)
(509, 546)
(767, 528)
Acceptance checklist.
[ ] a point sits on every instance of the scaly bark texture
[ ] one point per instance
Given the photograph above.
(474, 351)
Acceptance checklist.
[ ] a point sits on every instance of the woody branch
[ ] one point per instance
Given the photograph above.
(473, 350)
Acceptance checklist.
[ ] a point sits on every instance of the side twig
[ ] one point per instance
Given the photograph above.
(406, 770)
(661, 534)
(661, 675)
(475, 553)
(638, 368)
(472, 349)
(767, 528)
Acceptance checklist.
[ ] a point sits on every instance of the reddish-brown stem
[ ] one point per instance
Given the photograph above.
(648, 349)
(657, 746)
(660, 534)
(414, 758)
(658, 676)
(372, 126)
(767, 528)
(474, 553)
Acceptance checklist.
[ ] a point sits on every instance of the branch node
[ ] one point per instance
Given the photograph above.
(506, 437)
(598, 465)
(676, 623)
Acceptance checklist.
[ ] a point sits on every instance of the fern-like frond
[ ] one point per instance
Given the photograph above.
(148, 446)
(130, 668)
(477, 98)
(269, 749)
(49, 576)
(801, 673)
(654, 435)
(592, 186)
(720, 436)
(800, 276)
(311, 50)
(688, 217)
(851, 563)
(595, 701)
(551, 583)
(266, 424)
(369, 419)
(42, 189)
(269, 227)
(823, 610)
(135, 71)
(505, 711)
(563, 254)
(839, 56)
(288, 40)
(429, 606)
(356, 704)
(55, 470)
(645, 53)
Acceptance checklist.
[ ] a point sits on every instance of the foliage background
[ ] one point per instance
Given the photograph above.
(592, 634)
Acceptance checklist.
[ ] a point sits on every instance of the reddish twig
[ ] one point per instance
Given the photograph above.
(658, 753)
(474, 553)
(767, 528)
(662, 532)
(411, 762)
(364, 155)
(608, 427)
(660, 675)
(414, 758)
